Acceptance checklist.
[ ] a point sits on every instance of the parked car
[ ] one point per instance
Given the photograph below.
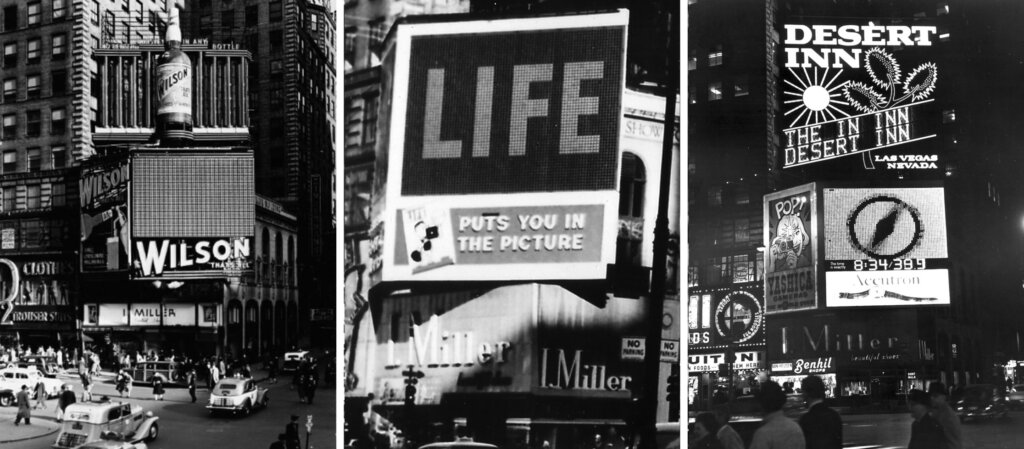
(237, 396)
(981, 401)
(106, 425)
(292, 360)
(6, 397)
(745, 418)
(46, 365)
(462, 443)
(1015, 396)
(170, 372)
(12, 378)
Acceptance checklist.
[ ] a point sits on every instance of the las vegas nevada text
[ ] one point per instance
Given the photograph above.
(168, 273)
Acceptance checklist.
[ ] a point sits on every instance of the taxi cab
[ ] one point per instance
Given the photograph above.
(292, 360)
(100, 423)
(237, 395)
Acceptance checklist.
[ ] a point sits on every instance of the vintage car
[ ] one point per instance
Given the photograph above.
(13, 378)
(461, 443)
(46, 365)
(104, 423)
(6, 397)
(112, 444)
(292, 360)
(237, 396)
(982, 401)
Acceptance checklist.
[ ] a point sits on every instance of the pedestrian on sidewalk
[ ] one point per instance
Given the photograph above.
(191, 379)
(272, 369)
(214, 375)
(291, 432)
(925, 431)
(24, 407)
(728, 436)
(822, 426)
(124, 383)
(41, 395)
(66, 398)
(777, 431)
(706, 428)
(945, 415)
(158, 388)
(86, 386)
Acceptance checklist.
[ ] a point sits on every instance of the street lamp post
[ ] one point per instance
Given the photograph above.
(652, 350)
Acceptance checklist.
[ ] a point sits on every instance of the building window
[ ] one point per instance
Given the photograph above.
(57, 121)
(34, 47)
(35, 12)
(58, 47)
(370, 120)
(10, 130)
(715, 196)
(33, 119)
(715, 91)
(10, 199)
(276, 11)
(59, 9)
(276, 66)
(59, 82)
(10, 18)
(10, 55)
(252, 15)
(693, 94)
(95, 12)
(33, 86)
(631, 206)
(59, 156)
(10, 162)
(276, 41)
(34, 159)
(227, 20)
(58, 195)
(10, 90)
(32, 197)
(742, 87)
(715, 56)
(692, 62)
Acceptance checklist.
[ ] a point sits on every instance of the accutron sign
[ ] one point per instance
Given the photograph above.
(846, 93)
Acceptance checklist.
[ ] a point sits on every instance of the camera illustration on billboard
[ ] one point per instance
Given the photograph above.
(885, 247)
(104, 201)
(847, 93)
(790, 250)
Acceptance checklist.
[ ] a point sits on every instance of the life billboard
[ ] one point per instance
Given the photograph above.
(791, 250)
(503, 149)
(885, 247)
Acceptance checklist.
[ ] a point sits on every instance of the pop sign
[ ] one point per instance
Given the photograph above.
(502, 148)
(846, 93)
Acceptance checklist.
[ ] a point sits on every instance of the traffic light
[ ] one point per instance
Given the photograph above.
(411, 379)
(410, 394)
(673, 388)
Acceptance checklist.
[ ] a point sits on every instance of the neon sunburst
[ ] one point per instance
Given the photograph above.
(815, 97)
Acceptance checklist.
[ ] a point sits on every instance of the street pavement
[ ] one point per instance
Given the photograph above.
(892, 431)
(187, 425)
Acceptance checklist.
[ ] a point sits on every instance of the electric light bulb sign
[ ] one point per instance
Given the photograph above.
(845, 92)
(885, 247)
(503, 148)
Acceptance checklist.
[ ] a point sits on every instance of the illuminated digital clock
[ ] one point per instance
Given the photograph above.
(889, 264)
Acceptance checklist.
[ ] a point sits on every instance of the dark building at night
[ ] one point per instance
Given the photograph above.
(774, 107)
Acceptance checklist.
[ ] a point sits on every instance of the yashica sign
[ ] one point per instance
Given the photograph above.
(846, 93)
(791, 254)
(502, 149)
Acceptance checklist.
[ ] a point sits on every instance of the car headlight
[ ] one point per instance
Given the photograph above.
(959, 409)
(988, 408)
